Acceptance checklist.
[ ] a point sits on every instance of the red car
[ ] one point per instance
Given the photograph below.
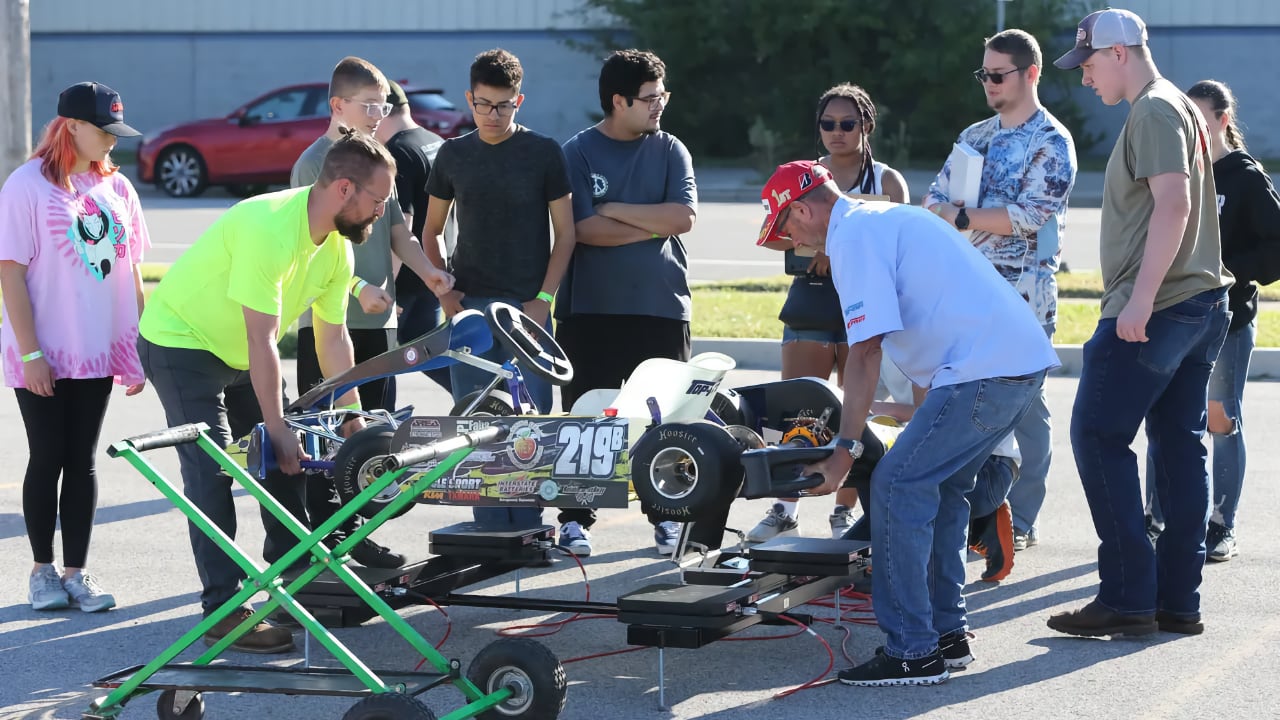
(256, 145)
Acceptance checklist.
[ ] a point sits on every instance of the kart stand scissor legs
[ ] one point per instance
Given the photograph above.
(520, 676)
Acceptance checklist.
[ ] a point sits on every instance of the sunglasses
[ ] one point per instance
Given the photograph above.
(845, 125)
(995, 77)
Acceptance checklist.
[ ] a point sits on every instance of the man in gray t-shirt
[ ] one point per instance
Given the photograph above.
(625, 298)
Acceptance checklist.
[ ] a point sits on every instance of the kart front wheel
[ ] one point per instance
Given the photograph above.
(359, 462)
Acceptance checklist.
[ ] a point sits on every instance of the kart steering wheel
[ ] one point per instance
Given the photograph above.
(533, 347)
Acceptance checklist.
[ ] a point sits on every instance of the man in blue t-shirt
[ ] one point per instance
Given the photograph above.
(625, 297)
(913, 288)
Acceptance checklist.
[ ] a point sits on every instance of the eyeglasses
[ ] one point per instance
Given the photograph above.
(845, 125)
(995, 77)
(379, 203)
(373, 109)
(484, 107)
(652, 101)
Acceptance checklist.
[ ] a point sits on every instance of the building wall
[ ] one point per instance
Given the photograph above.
(175, 60)
(168, 78)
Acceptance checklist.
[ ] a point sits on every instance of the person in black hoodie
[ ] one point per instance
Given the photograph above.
(1249, 219)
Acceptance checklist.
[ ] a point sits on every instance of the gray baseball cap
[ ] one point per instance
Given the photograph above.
(1103, 29)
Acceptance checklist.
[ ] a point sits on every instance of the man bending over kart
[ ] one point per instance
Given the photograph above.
(208, 344)
(912, 287)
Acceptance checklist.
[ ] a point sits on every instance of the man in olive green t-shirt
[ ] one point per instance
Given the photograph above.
(208, 344)
(1164, 316)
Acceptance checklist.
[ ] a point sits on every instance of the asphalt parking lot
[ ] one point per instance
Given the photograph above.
(140, 551)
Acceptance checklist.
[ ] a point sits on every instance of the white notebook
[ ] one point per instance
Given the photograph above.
(966, 174)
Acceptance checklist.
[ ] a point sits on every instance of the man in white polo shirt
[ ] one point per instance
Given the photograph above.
(914, 288)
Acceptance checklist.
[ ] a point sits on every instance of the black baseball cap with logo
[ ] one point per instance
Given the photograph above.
(98, 104)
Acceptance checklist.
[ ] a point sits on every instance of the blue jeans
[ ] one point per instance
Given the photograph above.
(995, 478)
(1161, 381)
(467, 379)
(1226, 385)
(1035, 441)
(919, 515)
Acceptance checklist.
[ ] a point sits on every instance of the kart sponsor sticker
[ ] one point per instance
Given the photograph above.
(702, 387)
(425, 428)
(524, 444)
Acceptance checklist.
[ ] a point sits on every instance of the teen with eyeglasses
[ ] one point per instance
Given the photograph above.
(1029, 168)
(626, 296)
(510, 191)
(813, 342)
(358, 103)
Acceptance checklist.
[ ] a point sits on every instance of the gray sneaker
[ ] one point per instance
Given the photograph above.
(45, 590)
(776, 522)
(841, 520)
(87, 593)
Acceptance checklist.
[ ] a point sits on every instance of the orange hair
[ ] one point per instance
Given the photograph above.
(57, 150)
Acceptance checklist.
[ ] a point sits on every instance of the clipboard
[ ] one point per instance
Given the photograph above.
(796, 260)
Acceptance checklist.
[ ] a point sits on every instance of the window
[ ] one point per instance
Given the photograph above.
(282, 106)
(430, 101)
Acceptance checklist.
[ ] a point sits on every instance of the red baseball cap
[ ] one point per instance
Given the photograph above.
(789, 183)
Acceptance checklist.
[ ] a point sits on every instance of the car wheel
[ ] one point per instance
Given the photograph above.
(181, 172)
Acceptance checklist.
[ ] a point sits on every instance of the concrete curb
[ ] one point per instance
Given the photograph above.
(760, 354)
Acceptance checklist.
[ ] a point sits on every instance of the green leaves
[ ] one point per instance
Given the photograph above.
(735, 64)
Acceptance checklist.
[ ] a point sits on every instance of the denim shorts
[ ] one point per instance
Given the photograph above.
(820, 336)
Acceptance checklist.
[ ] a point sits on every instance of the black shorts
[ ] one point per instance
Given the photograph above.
(604, 349)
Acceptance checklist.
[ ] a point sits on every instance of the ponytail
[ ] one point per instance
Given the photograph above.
(1223, 102)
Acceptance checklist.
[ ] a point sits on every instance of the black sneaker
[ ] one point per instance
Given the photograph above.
(1220, 541)
(883, 670)
(1154, 529)
(372, 555)
(954, 647)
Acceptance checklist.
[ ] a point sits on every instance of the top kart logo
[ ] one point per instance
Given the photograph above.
(701, 387)
(525, 450)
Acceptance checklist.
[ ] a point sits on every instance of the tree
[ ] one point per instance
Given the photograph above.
(744, 70)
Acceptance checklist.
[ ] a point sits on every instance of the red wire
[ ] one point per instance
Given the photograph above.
(831, 661)
(448, 628)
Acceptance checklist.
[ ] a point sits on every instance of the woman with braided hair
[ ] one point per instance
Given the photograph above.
(1249, 219)
(813, 335)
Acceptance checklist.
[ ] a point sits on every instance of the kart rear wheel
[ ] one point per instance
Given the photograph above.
(359, 462)
(682, 471)
(496, 403)
(536, 678)
(389, 706)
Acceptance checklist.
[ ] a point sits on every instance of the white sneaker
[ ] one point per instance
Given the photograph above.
(44, 590)
(87, 593)
(841, 520)
(776, 522)
(575, 539)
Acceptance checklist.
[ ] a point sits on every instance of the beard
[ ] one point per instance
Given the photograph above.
(357, 231)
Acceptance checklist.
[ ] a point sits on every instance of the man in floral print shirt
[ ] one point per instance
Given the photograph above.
(1028, 169)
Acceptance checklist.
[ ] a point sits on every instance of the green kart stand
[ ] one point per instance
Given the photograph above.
(509, 678)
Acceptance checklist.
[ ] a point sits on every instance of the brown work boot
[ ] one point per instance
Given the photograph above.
(1096, 620)
(262, 638)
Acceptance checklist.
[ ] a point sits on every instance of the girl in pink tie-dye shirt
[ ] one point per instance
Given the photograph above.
(71, 238)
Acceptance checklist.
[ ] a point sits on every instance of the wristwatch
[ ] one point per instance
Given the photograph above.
(962, 220)
(853, 446)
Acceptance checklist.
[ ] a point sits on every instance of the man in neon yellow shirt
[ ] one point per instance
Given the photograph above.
(208, 342)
